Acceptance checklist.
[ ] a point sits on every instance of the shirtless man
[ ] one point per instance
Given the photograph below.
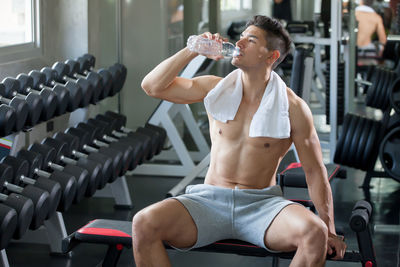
(239, 198)
(369, 22)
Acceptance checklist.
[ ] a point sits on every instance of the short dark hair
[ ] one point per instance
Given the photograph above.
(278, 38)
(368, 2)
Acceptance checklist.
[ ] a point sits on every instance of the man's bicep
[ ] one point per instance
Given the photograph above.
(309, 150)
(305, 139)
(186, 91)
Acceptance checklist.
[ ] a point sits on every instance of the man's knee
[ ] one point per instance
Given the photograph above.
(314, 233)
(145, 226)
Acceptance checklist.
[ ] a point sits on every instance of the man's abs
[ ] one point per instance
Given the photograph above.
(243, 161)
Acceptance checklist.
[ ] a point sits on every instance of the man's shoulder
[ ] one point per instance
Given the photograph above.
(297, 106)
(294, 100)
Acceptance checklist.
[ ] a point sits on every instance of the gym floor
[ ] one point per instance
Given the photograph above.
(145, 190)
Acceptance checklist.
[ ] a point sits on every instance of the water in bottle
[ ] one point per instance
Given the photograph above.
(210, 47)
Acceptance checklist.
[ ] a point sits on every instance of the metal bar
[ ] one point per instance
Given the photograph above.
(119, 191)
(311, 39)
(118, 40)
(351, 66)
(307, 81)
(4, 259)
(387, 229)
(334, 49)
(363, 82)
(56, 232)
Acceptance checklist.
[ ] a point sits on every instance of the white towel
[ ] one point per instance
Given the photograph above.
(365, 9)
(272, 116)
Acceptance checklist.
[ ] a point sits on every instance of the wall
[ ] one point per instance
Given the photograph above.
(62, 24)
(65, 29)
(102, 43)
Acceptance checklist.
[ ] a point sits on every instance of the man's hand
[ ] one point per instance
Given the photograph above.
(217, 37)
(336, 245)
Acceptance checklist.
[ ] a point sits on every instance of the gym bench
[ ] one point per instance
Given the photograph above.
(118, 234)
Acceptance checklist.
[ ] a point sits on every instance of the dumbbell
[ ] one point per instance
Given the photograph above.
(118, 72)
(8, 118)
(20, 107)
(62, 145)
(131, 149)
(69, 95)
(24, 209)
(86, 63)
(81, 175)
(110, 159)
(69, 72)
(73, 179)
(133, 138)
(120, 120)
(63, 72)
(123, 71)
(22, 205)
(76, 72)
(49, 97)
(35, 102)
(86, 66)
(21, 177)
(8, 224)
(63, 155)
(39, 197)
(117, 122)
(127, 150)
(60, 78)
(110, 129)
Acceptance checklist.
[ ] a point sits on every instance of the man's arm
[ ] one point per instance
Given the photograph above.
(381, 31)
(162, 82)
(308, 148)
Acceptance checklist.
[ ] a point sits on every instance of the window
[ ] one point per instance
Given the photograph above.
(18, 29)
(235, 5)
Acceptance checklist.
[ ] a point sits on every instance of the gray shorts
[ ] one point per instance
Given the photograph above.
(223, 213)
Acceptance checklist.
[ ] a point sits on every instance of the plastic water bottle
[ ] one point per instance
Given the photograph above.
(208, 47)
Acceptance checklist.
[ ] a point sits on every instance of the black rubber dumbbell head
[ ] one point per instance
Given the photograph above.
(94, 78)
(8, 224)
(39, 197)
(94, 168)
(111, 165)
(8, 119)
(34, 101)
(21, 169)
(49, 98)
(67, 181)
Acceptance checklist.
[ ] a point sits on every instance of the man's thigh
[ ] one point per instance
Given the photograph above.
(288, 227)
(173, 222)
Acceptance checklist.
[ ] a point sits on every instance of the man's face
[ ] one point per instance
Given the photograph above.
(253, 50)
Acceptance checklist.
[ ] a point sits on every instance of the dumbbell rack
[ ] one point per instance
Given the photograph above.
(54, 230)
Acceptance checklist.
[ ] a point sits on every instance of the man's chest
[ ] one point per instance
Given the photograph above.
(236, 131)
